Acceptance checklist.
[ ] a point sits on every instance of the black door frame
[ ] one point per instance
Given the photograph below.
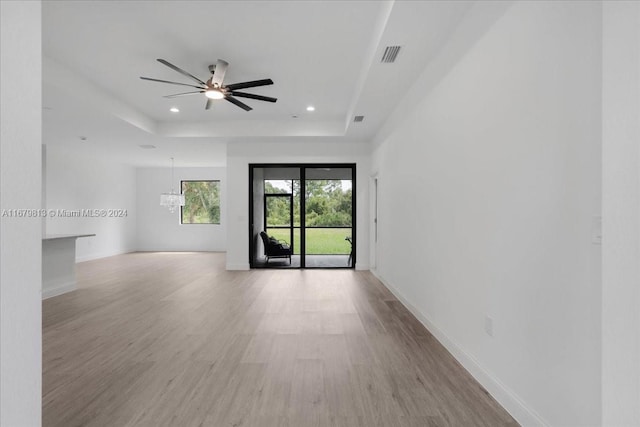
(302, 167)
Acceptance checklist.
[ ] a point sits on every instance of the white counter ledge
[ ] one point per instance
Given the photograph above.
(65, 236)
(59, 263)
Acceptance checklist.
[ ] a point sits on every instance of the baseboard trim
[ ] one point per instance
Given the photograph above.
(362, 266)
(58, 290)
(238, 266)
(511, 402)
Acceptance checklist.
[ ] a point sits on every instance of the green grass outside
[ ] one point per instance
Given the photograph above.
(320, 241)
(198, 219)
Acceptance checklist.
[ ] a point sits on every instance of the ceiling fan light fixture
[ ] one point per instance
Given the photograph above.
(214, 94)
(214, 89)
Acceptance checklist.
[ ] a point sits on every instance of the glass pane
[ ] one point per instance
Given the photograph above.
(296, 202)
(328, 241)
(277, 186)
(278, 211)
(328, 203)
(202, 202)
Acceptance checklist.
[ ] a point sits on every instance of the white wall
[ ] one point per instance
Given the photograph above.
(490, 187)
(160, 230)
(75, 182)
(241, 154)
(621, 215)
(20, 238)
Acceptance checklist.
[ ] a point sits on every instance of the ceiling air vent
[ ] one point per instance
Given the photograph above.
(390, 54)
(147, 146)
(358, 119)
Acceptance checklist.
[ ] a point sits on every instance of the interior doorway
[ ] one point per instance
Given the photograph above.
(309, 208)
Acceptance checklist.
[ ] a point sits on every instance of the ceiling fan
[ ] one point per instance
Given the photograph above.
(214, 89)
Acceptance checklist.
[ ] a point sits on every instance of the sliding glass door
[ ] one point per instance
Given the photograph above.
(310, 207)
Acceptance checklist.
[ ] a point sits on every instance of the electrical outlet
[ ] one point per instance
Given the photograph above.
(488, 325)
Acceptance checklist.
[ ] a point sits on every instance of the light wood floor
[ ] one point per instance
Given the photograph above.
(172, 339)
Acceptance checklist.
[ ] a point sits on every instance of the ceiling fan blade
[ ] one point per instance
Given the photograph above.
(245, 85)
(253, 96)
(242, 105)
(175, 95)
(218, 74)
(173, 83)
(180, 70)
(209, 103)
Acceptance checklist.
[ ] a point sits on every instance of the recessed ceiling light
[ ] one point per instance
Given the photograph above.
(174, 110)
(311, 108)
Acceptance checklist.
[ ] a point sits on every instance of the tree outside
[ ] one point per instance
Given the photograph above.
(202, 202)
(328, 204)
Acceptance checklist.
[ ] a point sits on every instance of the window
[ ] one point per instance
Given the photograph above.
(201, 202)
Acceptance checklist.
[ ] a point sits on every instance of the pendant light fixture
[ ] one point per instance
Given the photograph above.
(172, 199)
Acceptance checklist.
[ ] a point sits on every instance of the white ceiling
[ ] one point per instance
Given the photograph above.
(321, 53)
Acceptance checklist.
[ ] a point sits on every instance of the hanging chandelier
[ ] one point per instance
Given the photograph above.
(172, 199)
